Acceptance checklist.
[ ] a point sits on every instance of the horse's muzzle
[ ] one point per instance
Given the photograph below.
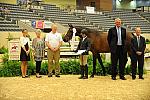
(65, 40)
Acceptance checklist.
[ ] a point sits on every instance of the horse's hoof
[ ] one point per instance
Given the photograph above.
(92, 76)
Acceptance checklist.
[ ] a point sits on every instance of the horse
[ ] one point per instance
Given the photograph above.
(99, 44)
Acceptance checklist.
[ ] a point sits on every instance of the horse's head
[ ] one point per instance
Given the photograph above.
(72, 31)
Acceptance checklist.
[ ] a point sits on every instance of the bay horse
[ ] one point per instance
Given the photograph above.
(99, 44)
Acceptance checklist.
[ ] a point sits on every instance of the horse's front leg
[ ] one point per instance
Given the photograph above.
(94, 65)
(101, 63)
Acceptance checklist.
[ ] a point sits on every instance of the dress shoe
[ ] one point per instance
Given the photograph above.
(133, 77)
(57, 75)
(49, 75)
(38, 76)
(85, 77)
(81, 77)
(141, 78)
(123, 78)
(113, 78)
(23, 77)
(92, 76)
(27, 76)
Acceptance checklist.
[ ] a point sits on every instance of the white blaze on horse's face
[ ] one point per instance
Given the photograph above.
(74, 32)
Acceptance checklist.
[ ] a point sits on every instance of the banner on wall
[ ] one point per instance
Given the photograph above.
(33, 23)
(40, 24)
(47, 24)
(14, 50)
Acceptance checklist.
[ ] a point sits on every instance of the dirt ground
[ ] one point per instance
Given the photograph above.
(69, 87)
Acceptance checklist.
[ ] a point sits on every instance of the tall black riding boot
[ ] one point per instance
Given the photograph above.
(82, 72)
(86, 72)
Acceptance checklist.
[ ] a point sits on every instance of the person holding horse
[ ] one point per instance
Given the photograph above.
(84, 44)
(53, 42)
(138, 46)
(116, 40)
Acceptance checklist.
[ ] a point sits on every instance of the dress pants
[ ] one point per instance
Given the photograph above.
(115, 57)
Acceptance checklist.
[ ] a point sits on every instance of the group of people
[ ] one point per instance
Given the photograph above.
(117, 44)
(53, 42)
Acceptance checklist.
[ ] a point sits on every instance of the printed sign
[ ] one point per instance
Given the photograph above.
(47, 24)
(90, 9)
(14, 50)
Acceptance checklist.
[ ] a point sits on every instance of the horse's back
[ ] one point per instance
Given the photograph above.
(99, 43)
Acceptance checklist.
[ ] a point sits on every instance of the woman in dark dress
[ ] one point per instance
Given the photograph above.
(25, 50)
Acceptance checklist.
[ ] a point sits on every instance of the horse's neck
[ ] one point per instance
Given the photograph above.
(88, 35)
(91, 35)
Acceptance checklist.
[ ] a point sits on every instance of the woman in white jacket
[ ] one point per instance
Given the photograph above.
(24, 54)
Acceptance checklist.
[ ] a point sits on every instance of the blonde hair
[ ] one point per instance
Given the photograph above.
(53, 25)
(137, 28)
(38, 31)
(117, 19)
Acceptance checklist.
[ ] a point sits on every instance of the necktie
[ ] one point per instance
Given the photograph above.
(138, 41)
(119, 37)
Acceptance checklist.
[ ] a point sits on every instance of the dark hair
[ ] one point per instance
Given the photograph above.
(84, 31)
(70, 25)
(24, 30)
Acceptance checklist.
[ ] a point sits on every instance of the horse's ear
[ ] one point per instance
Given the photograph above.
(70, 25)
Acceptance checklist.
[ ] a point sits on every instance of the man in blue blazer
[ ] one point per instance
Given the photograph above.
(138, 46)
(116, 40)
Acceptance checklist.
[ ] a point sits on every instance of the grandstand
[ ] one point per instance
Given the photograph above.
(20, 16)
(101, 21)
(146, 15)
(131, 19)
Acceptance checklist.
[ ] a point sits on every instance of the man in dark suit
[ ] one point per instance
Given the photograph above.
(138, 46)
(116, 40)
(84, 44)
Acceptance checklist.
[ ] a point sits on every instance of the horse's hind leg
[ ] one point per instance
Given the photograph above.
(101, 63)
(94, 66)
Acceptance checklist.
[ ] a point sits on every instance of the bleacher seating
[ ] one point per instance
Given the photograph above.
(49, 12)
(66, 18)
(145, 15)
(57, 15)
(131, 19)
(100, 21)
(8, 25)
